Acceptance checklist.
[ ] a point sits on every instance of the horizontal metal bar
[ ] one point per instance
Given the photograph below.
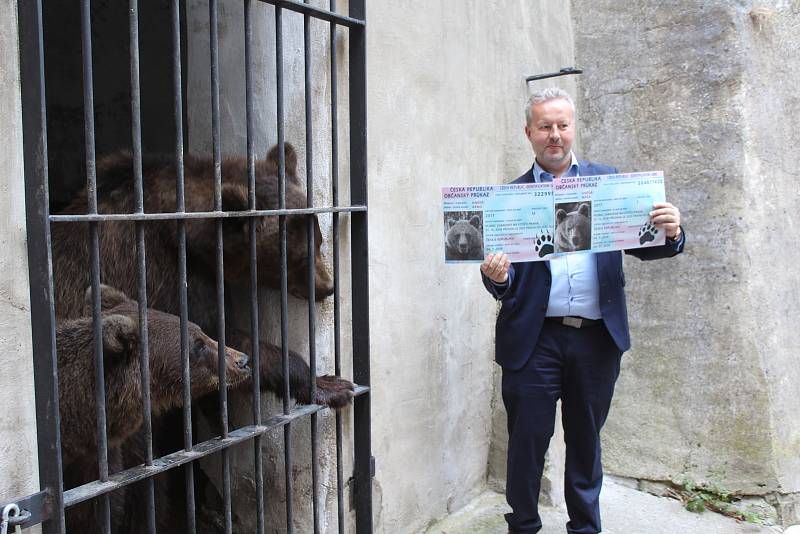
(135, 474)
(103, 217)
(317, 13)
(563, 72)
(39, 505)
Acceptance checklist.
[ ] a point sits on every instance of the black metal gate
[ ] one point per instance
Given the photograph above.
(47, 506)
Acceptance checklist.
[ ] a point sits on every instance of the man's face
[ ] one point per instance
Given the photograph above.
(551, 132)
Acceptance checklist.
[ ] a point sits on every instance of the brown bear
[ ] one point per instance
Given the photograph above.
(118, 248)
(573, 228)
(464, 240)
(122, 372)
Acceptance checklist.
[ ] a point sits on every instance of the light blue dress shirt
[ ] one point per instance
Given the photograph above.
(574, 289)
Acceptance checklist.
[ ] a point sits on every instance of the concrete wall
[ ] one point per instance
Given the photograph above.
(446, 95)
(705, 91)
(19, 474)
(772, 107)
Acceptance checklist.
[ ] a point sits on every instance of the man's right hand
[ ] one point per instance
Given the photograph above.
(495, 266)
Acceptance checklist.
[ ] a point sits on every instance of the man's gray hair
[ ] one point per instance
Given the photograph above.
(551, 93)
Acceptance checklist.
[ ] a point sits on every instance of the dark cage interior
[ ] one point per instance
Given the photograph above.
(112, 88)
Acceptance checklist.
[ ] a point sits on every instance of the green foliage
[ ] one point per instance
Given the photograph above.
(698, 498)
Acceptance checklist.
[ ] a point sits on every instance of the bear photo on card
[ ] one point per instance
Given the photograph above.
(463, 236)
(573, 226)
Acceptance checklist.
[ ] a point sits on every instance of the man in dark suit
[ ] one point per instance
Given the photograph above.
(560, 334)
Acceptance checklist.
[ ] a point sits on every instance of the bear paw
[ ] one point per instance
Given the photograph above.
(647, 233)
(333, 391)
(544, 244)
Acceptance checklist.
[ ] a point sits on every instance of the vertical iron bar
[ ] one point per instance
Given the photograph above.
(359, 266)
(253, 223)
(40, 264)
(144, 349)
(312, 316)
(94, 247)
(287, 430)
(180, 201)
(220, 277)
(337, 338)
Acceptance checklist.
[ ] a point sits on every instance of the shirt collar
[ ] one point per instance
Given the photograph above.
(572, 171)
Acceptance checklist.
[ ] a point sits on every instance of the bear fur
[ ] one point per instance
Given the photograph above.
(118, 238)
(71, 267)
(464, 240)
(573, 229)
(122, 378)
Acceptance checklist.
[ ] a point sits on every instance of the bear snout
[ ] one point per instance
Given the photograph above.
(238, 366)
(463, 244)
(243, 361)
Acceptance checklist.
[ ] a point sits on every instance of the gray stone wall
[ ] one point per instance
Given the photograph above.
(705, 91)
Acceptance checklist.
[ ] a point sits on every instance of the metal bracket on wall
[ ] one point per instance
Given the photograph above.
(563, 72)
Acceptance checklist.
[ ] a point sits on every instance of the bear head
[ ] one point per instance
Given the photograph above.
(121, 339)
(237, 231)
(573, 229)
(464, 240)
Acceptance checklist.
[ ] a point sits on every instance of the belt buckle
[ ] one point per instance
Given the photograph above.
(574, 322)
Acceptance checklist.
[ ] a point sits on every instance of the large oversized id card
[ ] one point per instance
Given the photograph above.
(609, 212)
(534, 222)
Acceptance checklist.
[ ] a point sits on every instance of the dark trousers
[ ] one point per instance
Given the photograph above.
(580, 367)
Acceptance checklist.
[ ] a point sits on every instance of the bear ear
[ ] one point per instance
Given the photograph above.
(475, 221)
(560, 215)
(234, 197)
(450, 222)
(110, 297)
(120, 334)
(583, 209)
(289, 157)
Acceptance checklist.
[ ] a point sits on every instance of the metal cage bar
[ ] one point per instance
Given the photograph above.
(337, 321)
(180, 206)
(364, 465)
(312, 317)
(202, 214)
(34, 123)
(317, 13)
(287, 430)
(94, 247)
(138, 181)
(258, 467)
(171, 461)
(220, 273)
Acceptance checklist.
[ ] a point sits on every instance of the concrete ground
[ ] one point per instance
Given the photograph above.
(624, 511)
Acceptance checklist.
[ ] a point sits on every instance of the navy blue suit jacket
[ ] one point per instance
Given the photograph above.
(527, 293)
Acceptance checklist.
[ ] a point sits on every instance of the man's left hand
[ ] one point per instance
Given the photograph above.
(666, 217)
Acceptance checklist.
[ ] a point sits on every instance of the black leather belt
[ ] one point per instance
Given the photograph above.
(575, 322)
